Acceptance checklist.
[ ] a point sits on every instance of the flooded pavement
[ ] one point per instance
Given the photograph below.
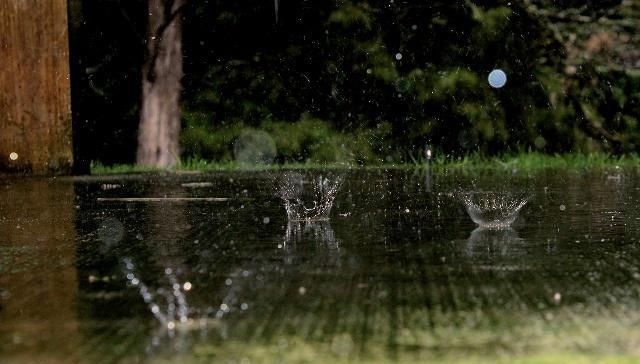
(207, 268)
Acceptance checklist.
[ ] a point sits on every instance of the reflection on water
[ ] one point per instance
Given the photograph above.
(38, 280)
(491, 242)
(395, 276)
(318, 231)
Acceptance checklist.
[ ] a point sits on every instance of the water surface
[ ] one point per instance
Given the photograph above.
(399, 273)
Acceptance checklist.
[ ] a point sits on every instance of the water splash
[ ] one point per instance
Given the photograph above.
(308, 198)
(167, 304)
(493, 210)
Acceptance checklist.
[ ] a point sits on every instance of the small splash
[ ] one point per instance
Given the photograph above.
(493, 210)
(167, 304)
(308, 197)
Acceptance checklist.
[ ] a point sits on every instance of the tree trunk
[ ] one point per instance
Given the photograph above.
(160, 114)
(35, 101)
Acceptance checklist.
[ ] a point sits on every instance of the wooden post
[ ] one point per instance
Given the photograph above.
(35, 101)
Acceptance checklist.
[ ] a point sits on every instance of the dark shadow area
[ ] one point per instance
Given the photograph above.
(107, 51)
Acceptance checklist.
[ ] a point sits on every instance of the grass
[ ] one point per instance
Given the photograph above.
(528, 162)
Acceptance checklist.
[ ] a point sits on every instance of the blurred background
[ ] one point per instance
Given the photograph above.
(367, 82)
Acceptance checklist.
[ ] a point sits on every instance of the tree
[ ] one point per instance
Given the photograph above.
(159, 130)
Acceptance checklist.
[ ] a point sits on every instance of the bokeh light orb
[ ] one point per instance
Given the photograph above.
(497, 78)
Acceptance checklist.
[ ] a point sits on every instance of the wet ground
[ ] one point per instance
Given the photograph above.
(205, 268)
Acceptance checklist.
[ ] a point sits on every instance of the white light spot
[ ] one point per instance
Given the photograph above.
(13, 156)
(563, 207)
(302, 291)
(557, 297)
(187, 286)
(135, 281)
(414, 27)
(398, 56)
(228, 282)
(171, 325)
(224, 307)
(244, 306)
(497, 78)
(266, 220)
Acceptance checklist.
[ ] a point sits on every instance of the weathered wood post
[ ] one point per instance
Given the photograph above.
(35, 101)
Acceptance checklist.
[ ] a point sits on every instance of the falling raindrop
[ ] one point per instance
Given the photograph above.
(276, 4)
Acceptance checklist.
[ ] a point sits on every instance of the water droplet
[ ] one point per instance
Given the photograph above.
(266, 220)
(13, 156)
(563, 207)
(398, 56)
(187, 286)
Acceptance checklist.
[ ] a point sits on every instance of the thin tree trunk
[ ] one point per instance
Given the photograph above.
(160, 115)
(35, 101)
